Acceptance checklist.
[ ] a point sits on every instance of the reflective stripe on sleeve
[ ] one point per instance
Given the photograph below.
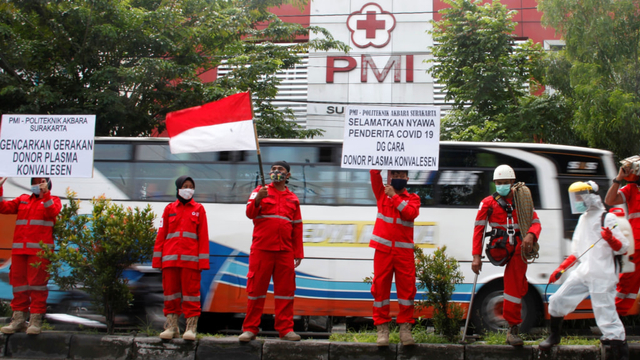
(41, 222)
(626, 296)
(170, 257)
(33, 245)
(535, 221)
(273, 217)
(256, 297)
(513, 299)
(382, 303)
(17, 245)
(634, 215)
(172, 296)
(283, 297)
(22, 222)
(405, 223)
(203, 256)
(191, 298)
(172, 235)
(380, 240)
(386, 219)
(402, 205)
(157, 254)
(48, 203)
(297, 221)
(404, 245)
(405, 302)
(188, 258)
(480, 223)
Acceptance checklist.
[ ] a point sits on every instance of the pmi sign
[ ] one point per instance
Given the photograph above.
(47, 145)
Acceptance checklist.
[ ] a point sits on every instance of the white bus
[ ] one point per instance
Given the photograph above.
(339, 210)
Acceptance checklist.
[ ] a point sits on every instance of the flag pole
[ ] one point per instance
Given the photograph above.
(255, 133)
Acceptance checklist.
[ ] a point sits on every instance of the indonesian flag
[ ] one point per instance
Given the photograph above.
(223, 125)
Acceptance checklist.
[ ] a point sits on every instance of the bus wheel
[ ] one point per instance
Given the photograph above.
(301, 324)
(487, 309)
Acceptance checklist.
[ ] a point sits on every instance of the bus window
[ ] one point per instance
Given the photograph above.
(461, 187)
(119, 173)
(290, 154)
(113, 152)
(157, 152)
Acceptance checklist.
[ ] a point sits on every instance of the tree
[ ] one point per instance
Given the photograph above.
(599, 70)
(95, 249)
(132, 61)
(490, 79)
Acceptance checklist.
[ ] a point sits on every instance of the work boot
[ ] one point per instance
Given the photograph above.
(619, 350)
(383, 334)
(18, 323)
(554, 334)
(405, 334)
(513, 338)
(247, 336)
(192, 326)
(35, 324)
(171, 328)
(291, 336)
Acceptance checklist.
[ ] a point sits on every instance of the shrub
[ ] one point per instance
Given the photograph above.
(438, 274)
(95, 249)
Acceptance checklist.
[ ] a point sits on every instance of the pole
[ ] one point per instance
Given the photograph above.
(255, 133)
(466, 323)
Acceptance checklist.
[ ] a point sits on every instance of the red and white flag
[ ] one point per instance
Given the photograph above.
(223, 125)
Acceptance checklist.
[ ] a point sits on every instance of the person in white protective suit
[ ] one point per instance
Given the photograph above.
(595, 243)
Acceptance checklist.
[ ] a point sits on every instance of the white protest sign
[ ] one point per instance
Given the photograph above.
(402, 138)
(47, 145)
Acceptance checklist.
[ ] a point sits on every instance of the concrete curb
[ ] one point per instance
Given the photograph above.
(62, 345)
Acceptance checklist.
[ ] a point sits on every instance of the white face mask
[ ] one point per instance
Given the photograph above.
(186, 194)
(35, 189)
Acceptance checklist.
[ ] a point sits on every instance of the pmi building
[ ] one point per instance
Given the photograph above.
(386, 65)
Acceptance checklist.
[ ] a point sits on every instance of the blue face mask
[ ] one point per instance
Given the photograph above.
(35, 189)
(581, 207)
(503, 190)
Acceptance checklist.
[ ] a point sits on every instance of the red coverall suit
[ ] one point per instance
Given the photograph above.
(182, 251)
(393, 240)
(36, 217)
(629, 283)
(515, 279)
(277, 241)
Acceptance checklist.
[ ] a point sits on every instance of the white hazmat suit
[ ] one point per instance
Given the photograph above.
(595, 276)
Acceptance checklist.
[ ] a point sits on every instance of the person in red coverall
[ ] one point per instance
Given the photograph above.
(37, 214)
(393, 240)
(629, 283)
(276, 251)
(182, 251)
(515, 279)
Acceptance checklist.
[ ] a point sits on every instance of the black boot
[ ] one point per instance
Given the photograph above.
(619, 350)
(554, 336)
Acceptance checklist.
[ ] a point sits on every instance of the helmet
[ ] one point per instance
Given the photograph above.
(578, 191)
(504, 172)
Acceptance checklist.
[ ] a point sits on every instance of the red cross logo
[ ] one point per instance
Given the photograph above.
(371, 26)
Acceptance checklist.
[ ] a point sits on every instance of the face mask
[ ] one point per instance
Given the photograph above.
(399, 184)
(186, 194)
(503, 190)
(35, 189)
(277, 176)
(581, 207)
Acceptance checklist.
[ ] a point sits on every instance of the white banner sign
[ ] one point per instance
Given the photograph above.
(47, 145)
(403, 138)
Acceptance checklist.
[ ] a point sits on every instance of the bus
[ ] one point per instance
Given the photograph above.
(339, 211)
